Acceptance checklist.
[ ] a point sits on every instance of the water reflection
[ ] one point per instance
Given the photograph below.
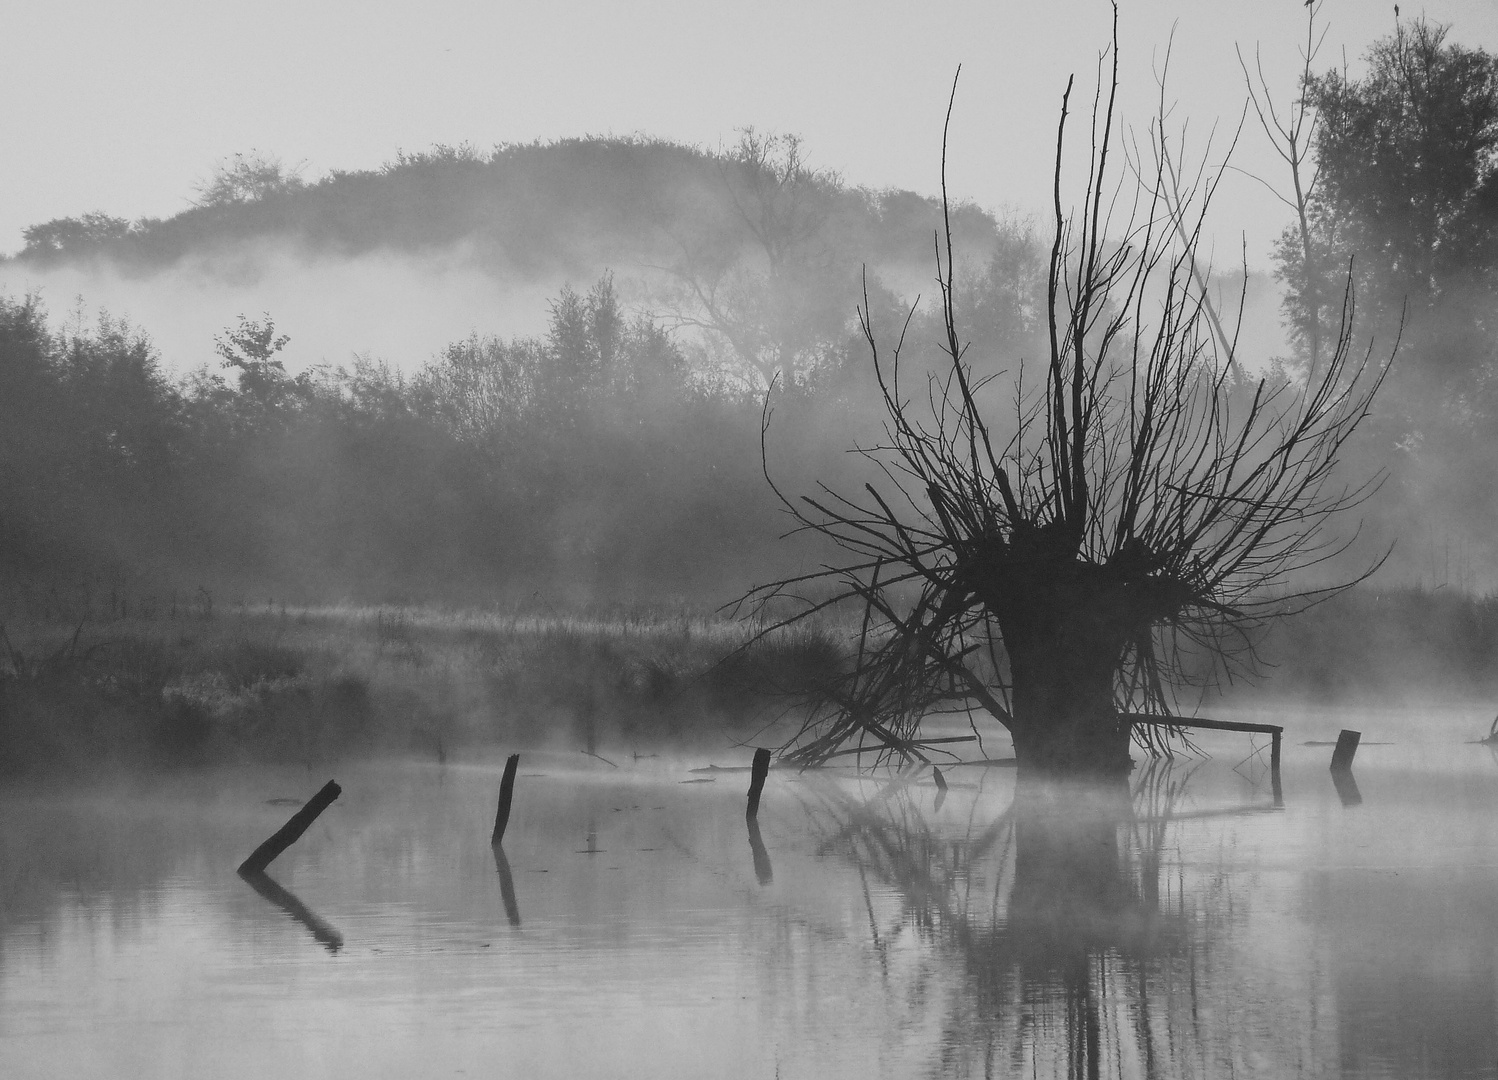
(288, 902)
(1054, 908)
(1347, 787)
(763, 871)
(506, 885)
(592, 840)
(1175, 925)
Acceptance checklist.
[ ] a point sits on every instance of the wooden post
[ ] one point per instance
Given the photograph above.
(1347, 747)
(289, 833)
(757, 780)
(506, 792)
(1274, 768)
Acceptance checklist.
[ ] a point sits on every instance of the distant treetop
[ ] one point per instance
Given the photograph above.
(249, 177)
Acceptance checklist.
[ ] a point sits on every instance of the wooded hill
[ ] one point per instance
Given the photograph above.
(567, 206)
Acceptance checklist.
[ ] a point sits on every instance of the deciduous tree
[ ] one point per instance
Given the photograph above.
(1048, 573)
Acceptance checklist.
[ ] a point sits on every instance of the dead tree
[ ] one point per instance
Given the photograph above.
(1050, 573)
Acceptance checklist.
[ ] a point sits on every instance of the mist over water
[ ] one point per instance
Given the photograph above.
(1178, 926)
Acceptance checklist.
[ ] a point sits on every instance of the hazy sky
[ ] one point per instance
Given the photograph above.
(125, 106)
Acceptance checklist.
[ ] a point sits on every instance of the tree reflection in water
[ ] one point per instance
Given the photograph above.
(1078, 960)
(283, 898)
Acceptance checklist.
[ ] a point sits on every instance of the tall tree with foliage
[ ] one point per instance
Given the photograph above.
(1407, 193)
(91, 233)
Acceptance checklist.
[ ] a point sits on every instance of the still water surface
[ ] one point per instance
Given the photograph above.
(1176, 927)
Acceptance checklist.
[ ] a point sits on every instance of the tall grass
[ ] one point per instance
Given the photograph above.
(232, 682)
(308, 684)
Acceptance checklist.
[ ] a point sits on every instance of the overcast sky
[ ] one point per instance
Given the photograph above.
(123, 107)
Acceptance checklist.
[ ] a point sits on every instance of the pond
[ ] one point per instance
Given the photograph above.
(1181, 926)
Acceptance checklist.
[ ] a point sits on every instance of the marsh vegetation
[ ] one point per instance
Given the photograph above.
(312, 686)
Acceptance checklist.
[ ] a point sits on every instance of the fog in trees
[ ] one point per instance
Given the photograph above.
(903, 636)
(592, 433)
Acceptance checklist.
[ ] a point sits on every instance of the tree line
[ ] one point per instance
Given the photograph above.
(603, 460)
(619, 451)
(615, 455)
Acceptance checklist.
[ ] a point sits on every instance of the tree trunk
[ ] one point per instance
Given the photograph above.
(1065, 723)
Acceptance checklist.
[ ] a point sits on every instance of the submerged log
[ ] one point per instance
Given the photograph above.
(289, 833)
(757, 780)
(506, 793)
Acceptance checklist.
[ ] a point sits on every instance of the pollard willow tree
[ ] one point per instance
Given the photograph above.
(1145, 496)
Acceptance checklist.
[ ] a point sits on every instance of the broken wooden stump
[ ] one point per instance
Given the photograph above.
(1347, 747)
(289, 833)
(1276, 790)
(757, 780)
(506, 793)
(1342, 779)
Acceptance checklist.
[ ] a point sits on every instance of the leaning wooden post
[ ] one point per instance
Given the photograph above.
(289, 833)
(1347, 747)
(506, 792)
(757, 780)
(1274, 768)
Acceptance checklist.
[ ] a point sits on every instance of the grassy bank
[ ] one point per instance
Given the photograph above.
(193, 683)
(310, 685)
